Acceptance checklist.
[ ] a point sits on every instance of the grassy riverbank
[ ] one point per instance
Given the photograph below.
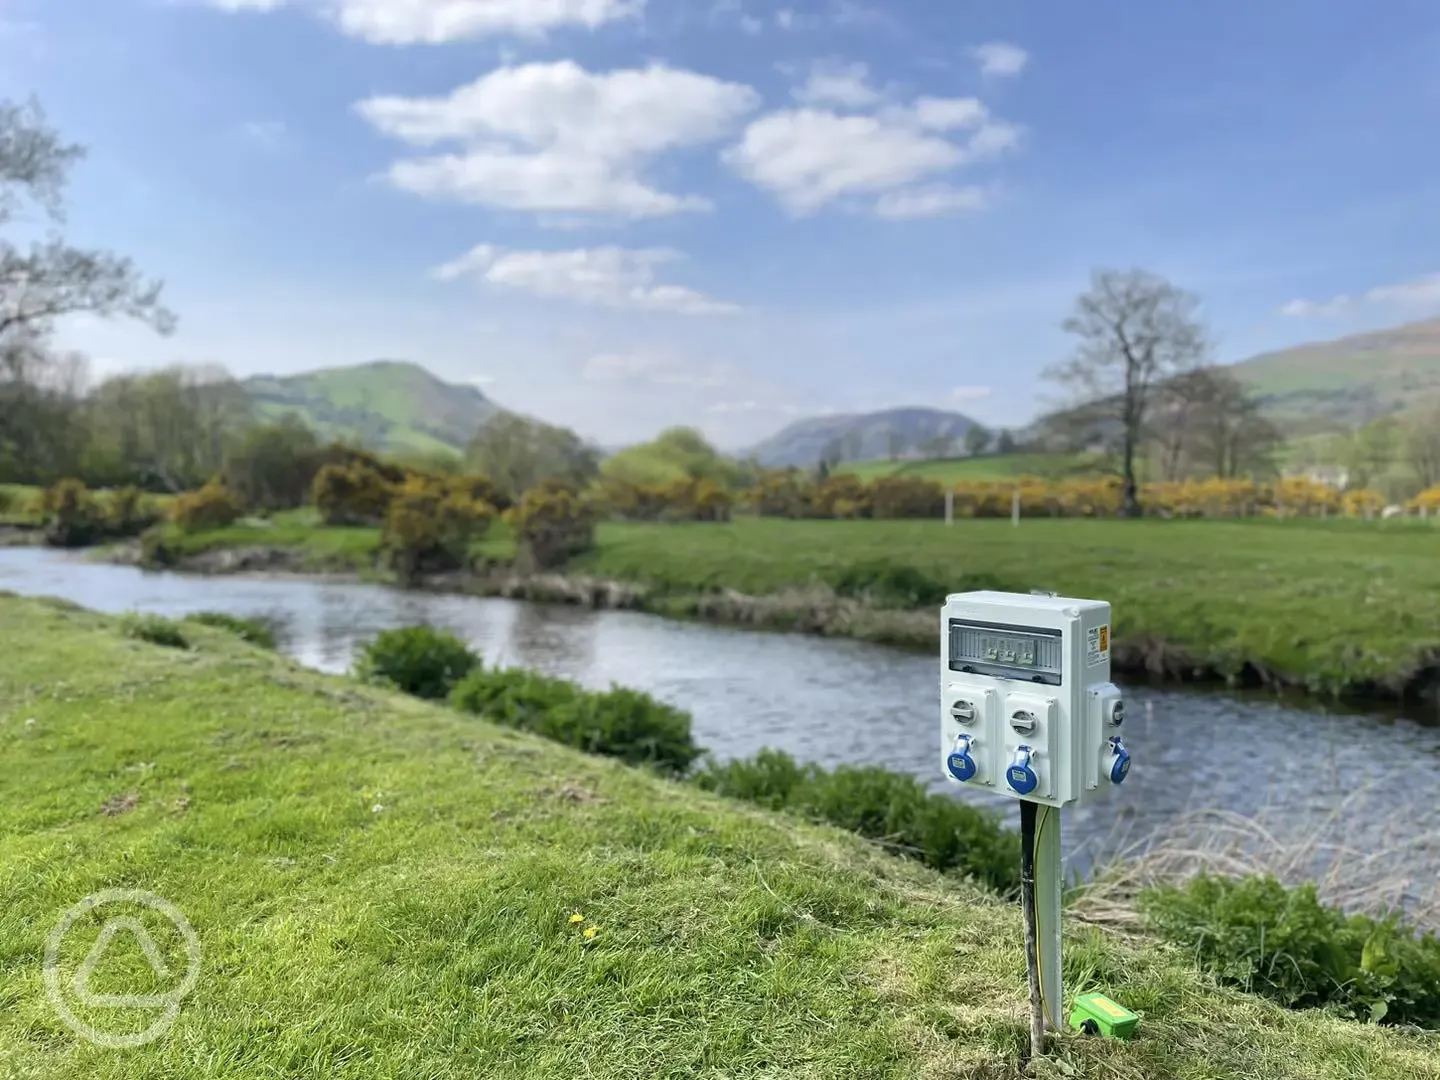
(384, 888)
(1331, 606)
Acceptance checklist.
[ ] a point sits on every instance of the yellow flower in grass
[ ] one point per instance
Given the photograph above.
(591, 931)
(576, 919)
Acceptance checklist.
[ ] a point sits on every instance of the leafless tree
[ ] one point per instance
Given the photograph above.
(1422, 444)
(1136, 330)
(45, 280)
(1232, 436)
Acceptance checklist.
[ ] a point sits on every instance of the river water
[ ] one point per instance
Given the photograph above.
(831, 701)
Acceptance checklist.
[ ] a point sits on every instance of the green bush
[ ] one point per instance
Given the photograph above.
(893, 808)
(213, 506)
(127, 511)
(72, 515)
(156, 629)
(419, 660)
(619, 723)
(255, 631)
(1283, 943)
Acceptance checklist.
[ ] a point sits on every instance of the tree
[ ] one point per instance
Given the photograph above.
(272, 466)
(1371, 450)
(1422, 444)
(1136, 330)
(1005, 444)
(894, 443)
(46, 280)
(517, 453)
(977, 438)
(938, 446)
(1231, 433)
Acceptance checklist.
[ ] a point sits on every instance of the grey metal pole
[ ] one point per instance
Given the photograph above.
(1027, 907)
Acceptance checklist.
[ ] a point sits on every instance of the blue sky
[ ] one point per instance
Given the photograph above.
(621, 214)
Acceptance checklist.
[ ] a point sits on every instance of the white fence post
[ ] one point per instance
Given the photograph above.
(949, 507)
(1015, 507)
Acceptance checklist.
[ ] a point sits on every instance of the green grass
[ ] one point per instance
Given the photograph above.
(987, 467)
(1331, 604)
(431, 937)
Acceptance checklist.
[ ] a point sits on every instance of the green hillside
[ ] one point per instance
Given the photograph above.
(1350, 380)
(386, 405)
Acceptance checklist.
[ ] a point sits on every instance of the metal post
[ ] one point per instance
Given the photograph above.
(1027, 907)
(949, 508)
(1048, 889)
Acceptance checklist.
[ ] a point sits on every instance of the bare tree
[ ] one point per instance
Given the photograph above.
(1231, 433)
(1422, 445)
(48, 279)
(1136, 330)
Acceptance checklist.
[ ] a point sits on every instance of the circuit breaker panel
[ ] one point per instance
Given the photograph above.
(1027, 706)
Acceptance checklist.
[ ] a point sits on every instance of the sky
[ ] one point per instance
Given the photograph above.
(624, 214)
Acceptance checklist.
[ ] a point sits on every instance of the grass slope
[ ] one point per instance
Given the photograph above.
(1347, 381)
(386, 405)
(1333, 603)
(432, 938)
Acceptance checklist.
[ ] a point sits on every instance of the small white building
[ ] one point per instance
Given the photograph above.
(1334, 476)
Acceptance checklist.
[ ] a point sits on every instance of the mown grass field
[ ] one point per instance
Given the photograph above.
(986, 467)
(383, 888)
(1333, 603)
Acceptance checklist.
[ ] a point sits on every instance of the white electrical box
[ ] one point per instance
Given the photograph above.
(1027, 706)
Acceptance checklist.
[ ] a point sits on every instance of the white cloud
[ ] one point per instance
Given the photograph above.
(971, 393)
(811, 157)
(555, 137)
(1000, 58)
(930, 201)
(479, 381)
(785, 18)
(434, 22)
(752, 25)
(607, 276)
(1421, 292)
(834, 83)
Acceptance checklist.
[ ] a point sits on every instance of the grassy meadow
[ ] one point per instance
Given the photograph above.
(1332, 603)
(384, 888)
(984, 467)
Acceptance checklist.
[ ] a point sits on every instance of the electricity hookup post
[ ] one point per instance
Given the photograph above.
(1028, 711)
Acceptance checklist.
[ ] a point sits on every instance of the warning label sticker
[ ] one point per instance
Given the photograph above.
(1097, 645)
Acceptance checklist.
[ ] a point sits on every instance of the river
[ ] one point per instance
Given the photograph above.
(832, 701)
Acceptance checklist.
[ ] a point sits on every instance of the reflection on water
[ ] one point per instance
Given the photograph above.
(824, 700)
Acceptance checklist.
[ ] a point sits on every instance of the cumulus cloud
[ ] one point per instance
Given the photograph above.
(606, 276)
(1000, 58)
(553, 137)
(434, 22)
(836, 83)
(811, 157)
(1421, 292)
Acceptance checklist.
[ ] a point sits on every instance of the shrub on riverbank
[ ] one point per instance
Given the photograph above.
(892, 808)
(156, 629)
(255, 631)
(1282, 942)
(553, 523)
(213, 506)
(618, 723)
(419, 660)
(73, 516)
(429, 526)
(351, 494)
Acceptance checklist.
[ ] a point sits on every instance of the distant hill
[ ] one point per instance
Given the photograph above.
(386, 405)
(859, 437)
(1349, 380)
